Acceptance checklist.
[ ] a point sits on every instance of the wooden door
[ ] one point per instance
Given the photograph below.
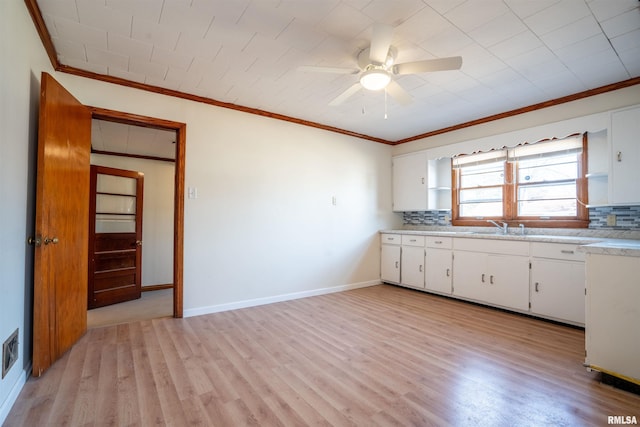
(62, 212)
(115, 236)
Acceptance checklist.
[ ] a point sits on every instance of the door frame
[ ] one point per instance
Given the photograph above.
(178, 203)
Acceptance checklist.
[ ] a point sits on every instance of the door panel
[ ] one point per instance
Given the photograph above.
(115, 236)
(62, 191)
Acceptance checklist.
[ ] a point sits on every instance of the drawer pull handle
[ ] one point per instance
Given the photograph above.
(438, 242)
(391, 238)
(413, 240)
(564, 251)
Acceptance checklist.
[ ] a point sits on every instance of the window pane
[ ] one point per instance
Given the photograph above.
(540, 192)
(479, 210)
(482, 175)
(549, 208)
(490, 194)
(548, 169)
(547, 200)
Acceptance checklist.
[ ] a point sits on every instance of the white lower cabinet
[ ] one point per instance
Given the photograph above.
(390, 258)
(412, 263)
(438, 264)
(491, 271)
(558, 282)
(544, 279)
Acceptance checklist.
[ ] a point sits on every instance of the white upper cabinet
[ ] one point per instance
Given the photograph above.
(420, 184)
(410, 182)
(625, 157)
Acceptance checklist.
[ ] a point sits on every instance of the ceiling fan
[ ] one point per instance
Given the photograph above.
(377, 68)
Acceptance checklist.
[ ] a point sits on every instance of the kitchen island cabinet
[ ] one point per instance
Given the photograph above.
(613, 315)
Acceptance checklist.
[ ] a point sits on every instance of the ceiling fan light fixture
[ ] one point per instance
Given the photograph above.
(375, 79)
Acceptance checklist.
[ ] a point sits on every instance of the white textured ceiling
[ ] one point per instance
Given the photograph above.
(247, 52)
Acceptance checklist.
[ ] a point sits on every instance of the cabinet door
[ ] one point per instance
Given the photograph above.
(557, 289)
(410, 182)
(625, 152)
(508, 281)
(390, 264)
(469, 278)
(412, 266)
(438, 269)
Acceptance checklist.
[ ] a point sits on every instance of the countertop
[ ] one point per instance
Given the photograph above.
(587, 244)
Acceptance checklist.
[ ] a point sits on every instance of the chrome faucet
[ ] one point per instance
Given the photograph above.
(504, 227)
(522, 232)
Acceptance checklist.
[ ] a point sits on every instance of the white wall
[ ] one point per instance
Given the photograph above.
(157, 214)
(263, 226)
(20, 67)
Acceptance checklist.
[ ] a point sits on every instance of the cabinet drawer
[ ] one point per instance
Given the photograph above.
(504, 247)
(556, 251)
(439, 242)
(412, 240)
(391, 239)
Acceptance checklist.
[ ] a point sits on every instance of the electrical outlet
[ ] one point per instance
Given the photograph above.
(9, 352)
(611, 220)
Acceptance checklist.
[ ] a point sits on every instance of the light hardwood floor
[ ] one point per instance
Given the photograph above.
(150, 305)
(381, 355)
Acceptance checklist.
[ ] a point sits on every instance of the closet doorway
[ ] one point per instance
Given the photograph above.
(155, 148)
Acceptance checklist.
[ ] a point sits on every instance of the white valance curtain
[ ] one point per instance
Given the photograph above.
(527, 150)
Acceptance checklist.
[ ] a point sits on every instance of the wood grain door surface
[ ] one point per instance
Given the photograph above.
(115, 236)
(62, 212)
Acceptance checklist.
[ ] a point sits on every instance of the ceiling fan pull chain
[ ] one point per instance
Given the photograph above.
(385, 103)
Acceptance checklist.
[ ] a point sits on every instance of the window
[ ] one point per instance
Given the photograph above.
(541, 184)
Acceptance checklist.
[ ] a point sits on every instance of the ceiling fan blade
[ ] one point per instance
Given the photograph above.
(441, 64)
(380, 43)
(398, 93)
(345, 95)
(333, 70)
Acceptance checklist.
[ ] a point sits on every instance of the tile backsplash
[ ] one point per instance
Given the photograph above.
(427, 218)
(626, 217)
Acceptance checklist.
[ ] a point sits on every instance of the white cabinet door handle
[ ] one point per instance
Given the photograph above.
(420, 269)
(537, 284)
(448, 272)
(618, 156)
(482, 278)
(491, 279)
(396, 264)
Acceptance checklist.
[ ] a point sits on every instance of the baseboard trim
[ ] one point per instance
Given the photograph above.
(156, 287)
(6, 406)
(277, 298)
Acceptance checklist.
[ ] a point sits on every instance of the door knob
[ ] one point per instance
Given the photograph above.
(138, 242)
(48, 240)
